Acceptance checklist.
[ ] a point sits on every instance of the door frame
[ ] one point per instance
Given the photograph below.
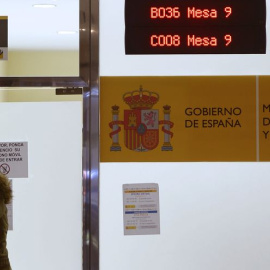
(88, 79)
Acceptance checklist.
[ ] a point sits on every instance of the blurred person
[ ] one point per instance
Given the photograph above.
(5, 198)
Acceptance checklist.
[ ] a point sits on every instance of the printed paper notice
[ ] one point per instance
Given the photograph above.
(141, 209)
(10, 212)
(14, 159)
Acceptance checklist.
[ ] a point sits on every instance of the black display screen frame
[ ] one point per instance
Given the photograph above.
(205, 19)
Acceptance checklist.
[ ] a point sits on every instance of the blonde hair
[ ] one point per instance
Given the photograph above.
(5, 189)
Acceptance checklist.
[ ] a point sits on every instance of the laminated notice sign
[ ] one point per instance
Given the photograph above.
(141, 209)
(14, 159)
(10, 216)
(10, 213)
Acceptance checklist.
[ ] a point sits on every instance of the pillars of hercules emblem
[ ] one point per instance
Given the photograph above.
(166, 129)
(115, 127)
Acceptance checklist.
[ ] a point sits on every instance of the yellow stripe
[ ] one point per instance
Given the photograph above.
(3, 17)
(128, 139)
(140, 191)
(129, 206)
(130, 227)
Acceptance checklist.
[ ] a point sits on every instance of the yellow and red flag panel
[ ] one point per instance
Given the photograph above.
(172, 119)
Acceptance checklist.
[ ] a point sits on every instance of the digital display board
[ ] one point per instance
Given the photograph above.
(195, 27)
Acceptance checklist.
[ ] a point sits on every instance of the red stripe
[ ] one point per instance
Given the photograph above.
(125, 137)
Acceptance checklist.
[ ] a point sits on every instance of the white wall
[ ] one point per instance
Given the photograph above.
(48, 204)
(213, 216)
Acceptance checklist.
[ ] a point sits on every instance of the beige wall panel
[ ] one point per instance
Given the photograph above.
(43, 63)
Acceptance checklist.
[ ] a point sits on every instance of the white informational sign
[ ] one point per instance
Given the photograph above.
(3, 53)
(141, 209)
(14, 159)
(10, 213)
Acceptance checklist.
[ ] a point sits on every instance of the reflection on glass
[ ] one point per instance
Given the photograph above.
(36, 43)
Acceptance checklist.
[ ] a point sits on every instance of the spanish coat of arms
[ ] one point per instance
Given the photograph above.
(141, 123)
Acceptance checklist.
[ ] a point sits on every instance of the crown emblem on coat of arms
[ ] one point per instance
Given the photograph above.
(141, 123)
(141, 99)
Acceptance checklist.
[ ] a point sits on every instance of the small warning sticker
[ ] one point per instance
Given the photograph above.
(14, 159)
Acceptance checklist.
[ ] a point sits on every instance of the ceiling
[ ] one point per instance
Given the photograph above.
(32, 28)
